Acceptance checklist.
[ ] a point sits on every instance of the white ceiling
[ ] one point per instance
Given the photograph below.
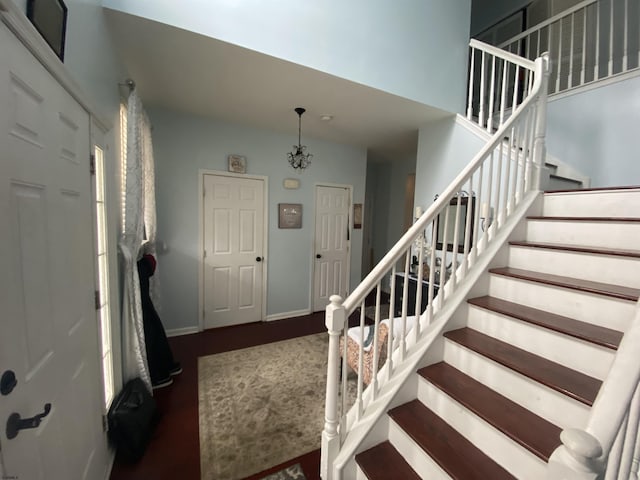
(191, 73)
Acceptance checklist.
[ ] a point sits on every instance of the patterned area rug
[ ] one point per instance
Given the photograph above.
(294, 472)
(261, 406)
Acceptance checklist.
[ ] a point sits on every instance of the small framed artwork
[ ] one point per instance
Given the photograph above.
(357, 215)
(289, 215)
(50, 19)
(237, 164)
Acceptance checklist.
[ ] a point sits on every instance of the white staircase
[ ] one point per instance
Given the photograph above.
(525, 357)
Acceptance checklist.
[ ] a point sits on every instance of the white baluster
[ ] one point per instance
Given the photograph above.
(432, 265)
(482, 88)
(596, 66)
(516, 165)
(550, 41)
(499, 212)
(476, 215)
(491, 94)
(626, 36)
(471, 78)
(516, 85)
(443, 256)
(360, 362)
(559, 57)
(335, 318)
(489, 201)
(454, 254)
(611, 39)
(584, 46)
(570, 78)
(503, 93)
(405, 300)
(418, 304)
(538, 43)
(376, 353)
(392, 306)
(466, 258)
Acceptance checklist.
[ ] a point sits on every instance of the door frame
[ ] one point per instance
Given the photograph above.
(265, 238)
(312, 281)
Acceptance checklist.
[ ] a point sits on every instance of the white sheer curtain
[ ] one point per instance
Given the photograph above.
(139, 221)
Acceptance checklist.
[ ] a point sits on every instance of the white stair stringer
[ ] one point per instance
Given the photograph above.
(356, 438)
(604, 268)
(585, 233)
(596, 309)
(592, 203)
(545, 402)
(514, 458)
(574, 353)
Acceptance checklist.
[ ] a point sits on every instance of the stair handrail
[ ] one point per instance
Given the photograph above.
(610, 441)
(515, 172)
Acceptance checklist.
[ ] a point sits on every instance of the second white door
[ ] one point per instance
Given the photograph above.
(331, 245)
(233, 242)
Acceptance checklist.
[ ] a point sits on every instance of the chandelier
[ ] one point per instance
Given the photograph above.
(298, 158)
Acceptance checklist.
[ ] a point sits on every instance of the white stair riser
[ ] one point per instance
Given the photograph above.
(584, 357)
(623, 235)
(608, 203)
(417, 458)
(545, 402)
(501, 449)
(587, 307)
(612, 269)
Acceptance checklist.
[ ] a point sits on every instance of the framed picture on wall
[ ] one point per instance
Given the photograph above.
(237, 163)
(289, 215)
(50, 19)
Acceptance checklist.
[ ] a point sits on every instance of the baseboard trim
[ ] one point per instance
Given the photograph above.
(283, 315)
(176, 332)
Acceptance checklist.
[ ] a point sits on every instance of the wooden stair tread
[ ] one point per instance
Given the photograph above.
(596, 334)
(596, 189)
(585, 219)
(456, 455)
(615, 291)
(534, 433)
(576, 248)
(383, 462)
(574, 384)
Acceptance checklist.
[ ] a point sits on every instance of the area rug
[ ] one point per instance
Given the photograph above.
(261, 406)
(294, 472)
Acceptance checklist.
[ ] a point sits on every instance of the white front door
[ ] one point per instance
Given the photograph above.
(331, 245)
(233, 256)
(48, 334)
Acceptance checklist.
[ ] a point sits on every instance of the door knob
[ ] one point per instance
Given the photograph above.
(318, 255)
(15, 423)
(258, 259)
(8, 382)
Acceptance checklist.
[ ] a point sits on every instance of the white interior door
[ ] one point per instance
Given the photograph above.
(48, 335)
(233, 256)
(331, 245)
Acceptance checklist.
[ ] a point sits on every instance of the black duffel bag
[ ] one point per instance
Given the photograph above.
(132, 418)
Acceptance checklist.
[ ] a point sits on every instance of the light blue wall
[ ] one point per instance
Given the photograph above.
(183, 145)
(485, 13)
(413, 48)
(597, 132)
(444, 149)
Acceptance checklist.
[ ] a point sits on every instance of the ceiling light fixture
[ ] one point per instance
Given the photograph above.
(298, 158)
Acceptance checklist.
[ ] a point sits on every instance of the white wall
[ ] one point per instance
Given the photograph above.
(183, 144)
(596, 132)
(393, 46)
(444, 149)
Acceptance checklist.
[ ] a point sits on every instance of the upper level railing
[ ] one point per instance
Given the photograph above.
(590, 41)
(447, 241)
(609, 446)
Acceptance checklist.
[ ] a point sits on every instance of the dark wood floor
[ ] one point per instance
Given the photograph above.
(174, 451)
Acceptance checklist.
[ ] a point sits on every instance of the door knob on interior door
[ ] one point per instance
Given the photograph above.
(8, 382)
(318, 255)
(259, 259)
(15, 423)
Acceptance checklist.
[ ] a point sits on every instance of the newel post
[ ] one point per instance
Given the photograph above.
(539, 143)
(335, 318)
(578, 458)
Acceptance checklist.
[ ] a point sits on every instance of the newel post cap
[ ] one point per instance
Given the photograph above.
(335, 314)
(581, 444)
